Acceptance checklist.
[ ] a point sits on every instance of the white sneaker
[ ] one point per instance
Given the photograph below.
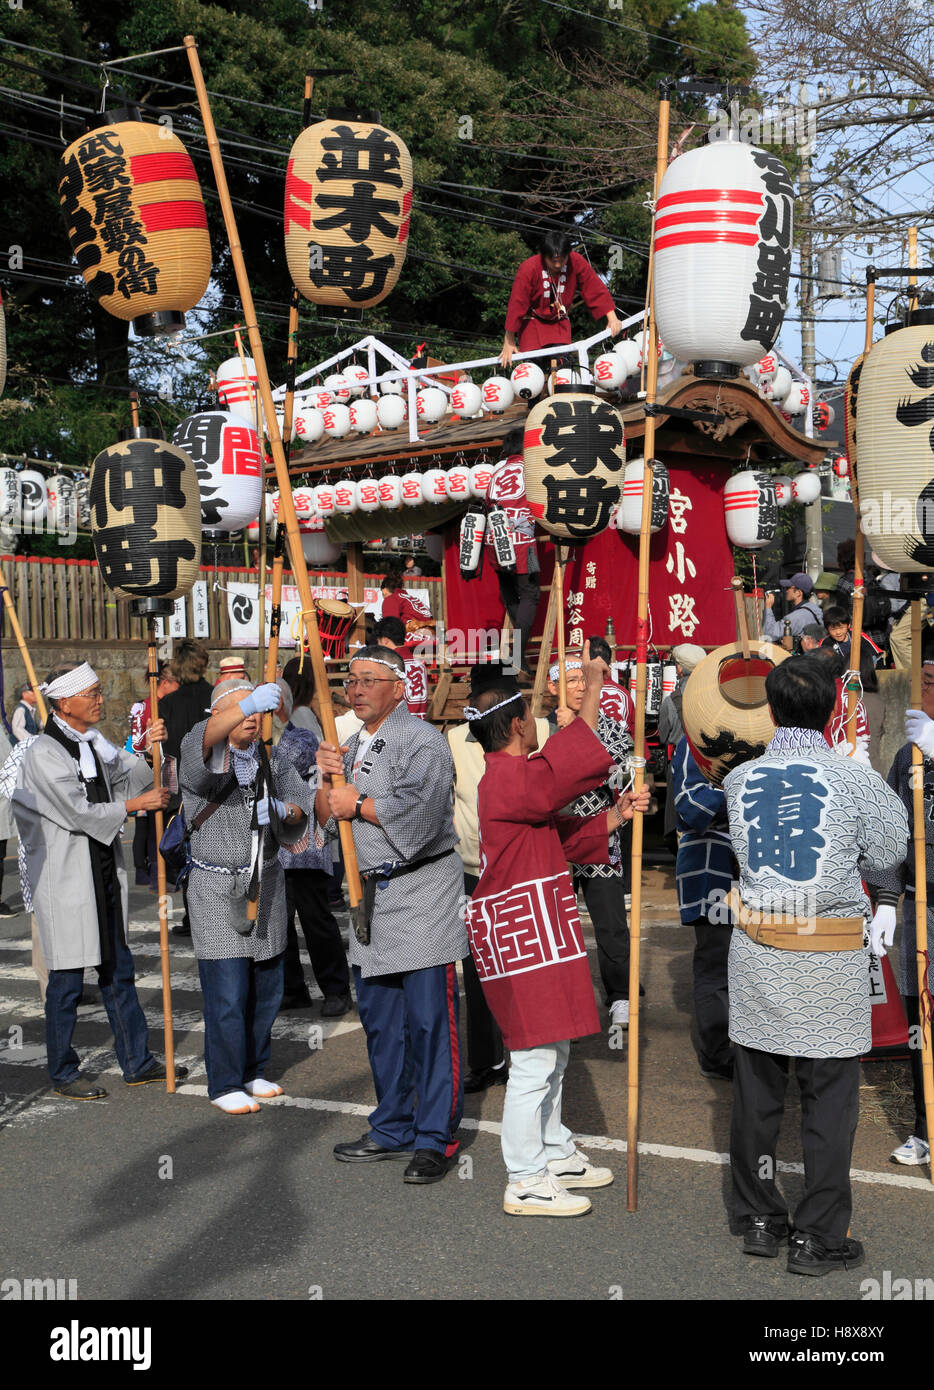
(913, 1152)
(578, 1171)
(542, 1195)
(619, 1012)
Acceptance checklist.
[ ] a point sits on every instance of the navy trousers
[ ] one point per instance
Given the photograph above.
(241, 1001)
(412, 1038)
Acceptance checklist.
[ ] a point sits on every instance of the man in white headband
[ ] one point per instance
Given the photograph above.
(74, 792)
(398, 798)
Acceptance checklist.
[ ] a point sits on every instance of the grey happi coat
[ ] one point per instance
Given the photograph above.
(217, 896)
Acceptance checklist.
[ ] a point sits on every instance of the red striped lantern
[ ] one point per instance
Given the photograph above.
(348, 200)
(137, 224)
(629, 516)
(236, 390)
(750, 506)
(722, 249)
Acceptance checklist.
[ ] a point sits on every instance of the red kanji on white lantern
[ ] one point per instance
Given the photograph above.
(528, 380)
(498, 394)
(367, 495)
(227, 454)
(458, 481)
(466, 398)
(390, 492)
(412, 489)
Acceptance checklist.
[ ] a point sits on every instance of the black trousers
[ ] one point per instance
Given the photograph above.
(711, 999)
(520, 593)
(913, 1015)
(306, 892)
(829, 1089)
(605, 903)
(484, 1040)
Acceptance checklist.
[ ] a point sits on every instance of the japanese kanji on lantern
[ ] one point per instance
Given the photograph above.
(229, 461)
(722, 253)
(348, 199)
(724, 711)
(750, 506)
(136, 222)
(146, 521)
(629, 515)
(895, 446)
(574, 452)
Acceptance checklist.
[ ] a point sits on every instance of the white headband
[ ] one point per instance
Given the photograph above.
(472, 714)
(399, 675)
(554, 670)
(230, 687)
(71, 683)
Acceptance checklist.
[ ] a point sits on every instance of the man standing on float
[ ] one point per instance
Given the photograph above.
(542, 294)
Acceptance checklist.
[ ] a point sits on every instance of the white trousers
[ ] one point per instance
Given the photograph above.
(532, 1130)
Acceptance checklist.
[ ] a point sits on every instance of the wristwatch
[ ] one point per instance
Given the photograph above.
(358, 809)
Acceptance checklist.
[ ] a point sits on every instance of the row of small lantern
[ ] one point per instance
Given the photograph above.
(28, 499)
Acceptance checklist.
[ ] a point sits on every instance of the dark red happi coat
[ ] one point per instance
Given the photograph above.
(525, 931)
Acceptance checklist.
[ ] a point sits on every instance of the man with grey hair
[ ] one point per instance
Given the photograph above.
(73, 794)
(398, 798)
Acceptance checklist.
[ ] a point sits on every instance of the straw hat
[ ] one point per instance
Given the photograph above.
(724, 712)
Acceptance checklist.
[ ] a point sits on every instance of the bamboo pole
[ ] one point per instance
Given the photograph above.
(23, 649)
(160, 869)
(287, 514)
(921, 894)
(559, 624)
(642, 634)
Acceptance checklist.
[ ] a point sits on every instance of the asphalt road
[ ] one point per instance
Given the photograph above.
(149, 1196)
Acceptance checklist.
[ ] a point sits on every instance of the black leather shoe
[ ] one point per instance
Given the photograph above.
(299, 1000)
(157, 1073)
(181, 929)
(763, 1235)
(81, 1090)
(809, 1255)
(427, 1166)
(365, 1151)
(487, 1076)
(336, 1005)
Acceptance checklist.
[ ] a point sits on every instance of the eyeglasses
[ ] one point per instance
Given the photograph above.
(575, 678)
(368, 682)
(95, 695)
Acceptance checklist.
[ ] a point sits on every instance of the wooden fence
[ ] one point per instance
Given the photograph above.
(63, 600)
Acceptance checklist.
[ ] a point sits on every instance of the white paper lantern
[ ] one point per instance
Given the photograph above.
(395, 386)
(9, 494)
(309, 424)
(777, 386)
(573, 376)
(33, 498)
(630, 354)
(358, 377)
(367, 490)
(498, 394)
(722, 252)
(609, 371)
(345, 496)
(431, 403)
(227, 455)
(336, 420)
(629, 515)
(473, 529)
(435, 486)
(466, 398)
(324, 499)
(480, 475)
(751, 509)
(669, 678)
(303, 499)
(797, 399)
(806, 488)
(528, 380)
(363, 416)
(236, 392)
(63, 510)
(320, 399)
(841, 466)
(271, 511)
(458, 483)
(412, 490)
(318, 550)
(339, 387)
(766, 367)
(390, 492)
(784, 493)
(391, 411)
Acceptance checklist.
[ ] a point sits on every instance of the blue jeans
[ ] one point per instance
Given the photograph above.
(118, 989)
(241, 1000)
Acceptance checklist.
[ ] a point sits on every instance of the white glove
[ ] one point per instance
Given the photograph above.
(861, 755)
(262, 809)
(882, 929)
(262, 699)
(920, 731)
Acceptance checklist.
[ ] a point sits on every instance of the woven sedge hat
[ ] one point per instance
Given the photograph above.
(724, 712)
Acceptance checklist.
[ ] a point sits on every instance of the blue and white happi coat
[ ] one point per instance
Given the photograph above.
(805, 823)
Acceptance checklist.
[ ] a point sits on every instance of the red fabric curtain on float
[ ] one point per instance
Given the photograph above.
(690, 567)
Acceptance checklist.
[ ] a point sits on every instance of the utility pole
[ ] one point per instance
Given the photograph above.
(813, 524)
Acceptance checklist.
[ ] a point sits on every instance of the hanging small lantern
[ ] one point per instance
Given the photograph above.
(357, 376)
(653, 684)
(317, 549)
(458, 483)
(669, 678)
(391, 411)
(751, 509)
(412, 489)
(303, 500)
(348, 200)
(806, 488)
(309, 425)
(573, 377)
(393, 386)
(498, 394)
(629, 354)
(629, 515)
(776, 386)
(363, 416)
(766, 367)
(473, 529)
(574, 453)
(146, 520)
(722, 254)
(83, 498)
(321, 399)
(797, 399)
(62, 511)
(270, 512)
(323, 496)
(345, 497)
(33, 500)
(339, 387)
(841, 466)
(336, 420)
(367, 490)
(390, 492)
(480, 475)
(609, 371)
(527, 380)
(724, 710)
(229, 461)
(430, 403)
(435, 486)
(466, 398)
(236, 392)
(499, 537)
(784, 493)
(824, 416)
(136, 222)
